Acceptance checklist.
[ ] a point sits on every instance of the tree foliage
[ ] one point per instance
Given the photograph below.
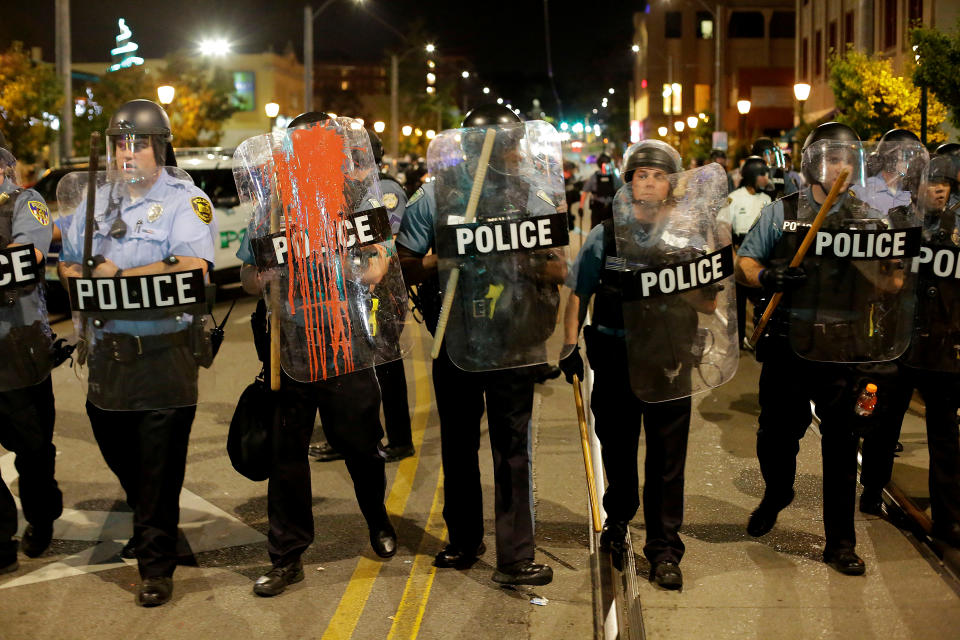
(201, 103)
(939, 57)
(30, 99)
(872, 99)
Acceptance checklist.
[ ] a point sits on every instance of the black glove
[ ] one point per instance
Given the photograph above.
(572, 364)
(782, 278)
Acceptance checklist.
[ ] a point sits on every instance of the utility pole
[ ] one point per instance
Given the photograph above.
(718, 68)
(64, 70)
(307, 59)
(395, 107)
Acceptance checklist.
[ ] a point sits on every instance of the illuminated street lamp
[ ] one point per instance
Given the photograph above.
(486, 89)
(678, 125)
(801, 91)
(465, 75)
(379, 126)
(272, 109)
(418, 131)
(663, 131)
(431, 134)
(407, 130)
(610, 91)
(743, 107)
(692, 122)
(635, 48)
(499, 100)
(430, 48)
(215, 47)
(165, 94)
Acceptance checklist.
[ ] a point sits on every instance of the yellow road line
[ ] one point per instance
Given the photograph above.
(413, 603)
(355, 596)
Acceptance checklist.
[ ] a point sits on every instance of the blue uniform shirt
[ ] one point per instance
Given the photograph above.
(394, 201)
(179, 227)
(30, 225)
(878, 194)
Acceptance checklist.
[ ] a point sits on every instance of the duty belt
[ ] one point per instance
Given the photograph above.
(123, 347)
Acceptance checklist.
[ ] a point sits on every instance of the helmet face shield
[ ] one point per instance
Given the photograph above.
(823, 162)
(509, 147)
(774, 158)
(134, 157)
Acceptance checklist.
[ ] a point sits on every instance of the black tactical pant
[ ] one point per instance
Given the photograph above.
(507, 395)
(147, 451)
(941, 395)
(349, 407)
(26, 428)
(618, 415)
(787, 384)
(396, 407)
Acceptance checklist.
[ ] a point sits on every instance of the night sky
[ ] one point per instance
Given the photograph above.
(504, 40)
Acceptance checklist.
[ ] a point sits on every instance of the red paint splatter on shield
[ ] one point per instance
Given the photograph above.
(310, 175)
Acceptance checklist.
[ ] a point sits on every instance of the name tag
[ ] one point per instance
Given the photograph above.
(680, 276)
(868, 244)
(942, 262)
(361, 229)
(134, 293)
(487, 238)
(18, 267)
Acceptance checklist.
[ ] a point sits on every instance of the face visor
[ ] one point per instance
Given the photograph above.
(134, 158)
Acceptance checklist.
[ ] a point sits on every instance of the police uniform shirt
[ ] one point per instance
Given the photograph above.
(173, 218)
(394, 201)
(790, 182)
(417, 227)
(742, 210)
(30, 225)
(878, 194)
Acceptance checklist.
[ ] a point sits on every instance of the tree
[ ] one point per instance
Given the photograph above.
(97, 101)
(30, 98)
(939, 58)
(872, 99)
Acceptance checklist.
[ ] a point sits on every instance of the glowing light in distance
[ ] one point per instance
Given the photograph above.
(379, 126)
(406, 130)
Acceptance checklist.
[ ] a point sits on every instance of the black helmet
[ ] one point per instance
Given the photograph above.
(753, 167)
(942, 169)
(718, 153)
(655, 154)
(377, 145)
(308, 118)
(890, 151)
(603, 159)
(489, 114)
(768, 150)
(948, 149)
(143, 118)
(828, 131)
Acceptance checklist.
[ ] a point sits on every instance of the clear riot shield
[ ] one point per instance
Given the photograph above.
(509, 255)
(323, 247)
(857, 303)
(144, 340)
(25, 335)
(935, 344)
(675, 264)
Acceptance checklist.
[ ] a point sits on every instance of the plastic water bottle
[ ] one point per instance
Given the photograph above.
(867, 400)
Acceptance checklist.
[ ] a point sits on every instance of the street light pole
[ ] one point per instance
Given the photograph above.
(65, 70)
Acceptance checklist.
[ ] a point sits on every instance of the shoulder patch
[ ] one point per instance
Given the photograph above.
(201, 206)
(390, 201)
(39, 211)
(416, 196)
(543, 196)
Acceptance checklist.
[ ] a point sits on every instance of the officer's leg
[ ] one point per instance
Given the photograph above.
(8, 507)
(784, 419)
(40, 496)
(509, 407)
(459, 397)
(289, 495)
(396, 407)
(741, 312)
(940, 393)
(164, 436)
(350, 413)
(667, 425)
(118, 439)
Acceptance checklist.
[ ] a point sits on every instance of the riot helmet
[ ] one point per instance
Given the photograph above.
(8, 163)
(603, 159)
(948, 148)
(377, 145)
(769, 151)
(941, 182)
(135, 127)
(489, 114)
(308, 117)
(829, 149)
(506, 157)
(753, 167)
(654, 188)
(654, 154)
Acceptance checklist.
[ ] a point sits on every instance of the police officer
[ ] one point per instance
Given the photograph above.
(886, 169)
(26, 393)
(930, 367)
(349, 408)
(599, 189)
(788, 382)
(647, 172)
(148, 222)
(720, 157)
(741, 211)
(780, 184)
(461, 397)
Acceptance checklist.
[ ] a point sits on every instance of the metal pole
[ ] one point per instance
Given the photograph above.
(395, 108)
(307, 59)
(717, 99)
(923, 115)
(64, 68)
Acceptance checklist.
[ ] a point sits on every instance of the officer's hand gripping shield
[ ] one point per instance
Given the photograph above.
(143, 340)
(675, 264)
(25, 335)
(858, 300)
(511, 254)
(323, 248)
(935, 344)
